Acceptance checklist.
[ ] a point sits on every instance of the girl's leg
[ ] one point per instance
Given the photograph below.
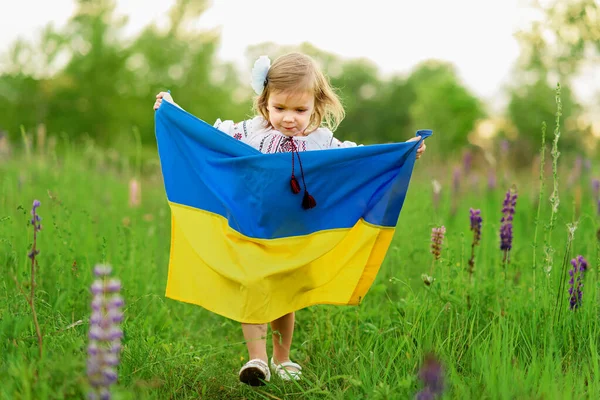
(256, 340)
(283, 330)
(255, 372)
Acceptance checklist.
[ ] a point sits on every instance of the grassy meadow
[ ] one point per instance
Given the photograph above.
(506, 332)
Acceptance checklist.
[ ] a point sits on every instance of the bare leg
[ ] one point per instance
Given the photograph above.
(252, 373)
(256, 340)
(283, 330)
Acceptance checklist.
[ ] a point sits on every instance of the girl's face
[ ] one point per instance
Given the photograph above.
(290, 112)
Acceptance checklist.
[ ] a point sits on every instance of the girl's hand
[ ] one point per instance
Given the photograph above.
(160, 97)
(421, 148)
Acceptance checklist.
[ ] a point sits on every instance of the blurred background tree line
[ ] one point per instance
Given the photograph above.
(86, 80)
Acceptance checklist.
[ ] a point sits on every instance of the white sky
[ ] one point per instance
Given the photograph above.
(476, 35)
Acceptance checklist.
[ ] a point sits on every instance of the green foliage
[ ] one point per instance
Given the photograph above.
(107, 85)
(553, 51)
(502, 343)
(573, 27)
(436, 87)
(87, 80)
(531, 105)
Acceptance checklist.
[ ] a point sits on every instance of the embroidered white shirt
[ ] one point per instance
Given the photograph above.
(255, 133)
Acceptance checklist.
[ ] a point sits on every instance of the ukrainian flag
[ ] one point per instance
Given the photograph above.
(243, 247)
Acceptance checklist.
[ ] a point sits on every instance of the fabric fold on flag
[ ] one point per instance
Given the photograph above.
(243, 247)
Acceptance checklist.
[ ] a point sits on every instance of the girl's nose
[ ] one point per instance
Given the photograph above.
(288, 117)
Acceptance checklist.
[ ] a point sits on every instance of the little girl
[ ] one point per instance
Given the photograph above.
(297, 110)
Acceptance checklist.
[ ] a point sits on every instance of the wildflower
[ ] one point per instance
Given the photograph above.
(35, 220)
(425, 394)
(475, 217)
(476, 225)
(101, 270)
(437, 237)
(37, 226)
(506, 227)
(427, 280)
(577, 274)
(105, 333)
(431, 374)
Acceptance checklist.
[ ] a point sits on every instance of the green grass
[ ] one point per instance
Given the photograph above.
(506, 345)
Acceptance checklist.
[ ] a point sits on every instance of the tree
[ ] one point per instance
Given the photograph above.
(92, 81)
(532, 104)
(443, 104)
(553, 51)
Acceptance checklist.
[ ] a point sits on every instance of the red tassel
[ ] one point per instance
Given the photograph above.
(308, 201)
(294, 185)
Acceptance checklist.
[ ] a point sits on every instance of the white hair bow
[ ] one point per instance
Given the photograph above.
(259, 74)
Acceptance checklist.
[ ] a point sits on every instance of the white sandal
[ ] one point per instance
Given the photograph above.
(285, 374)
(255, 373)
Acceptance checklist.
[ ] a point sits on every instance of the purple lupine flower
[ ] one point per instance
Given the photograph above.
(506, 227)
(425, 394)
(432, 376)
(35, 219)
(37, 226)
(475, 217)
(113, 286)
(437, 238)
(102, 270)
(583, 265)
(577, 273)
(105, 334)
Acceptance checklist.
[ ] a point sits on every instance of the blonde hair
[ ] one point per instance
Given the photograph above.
(298, 72)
